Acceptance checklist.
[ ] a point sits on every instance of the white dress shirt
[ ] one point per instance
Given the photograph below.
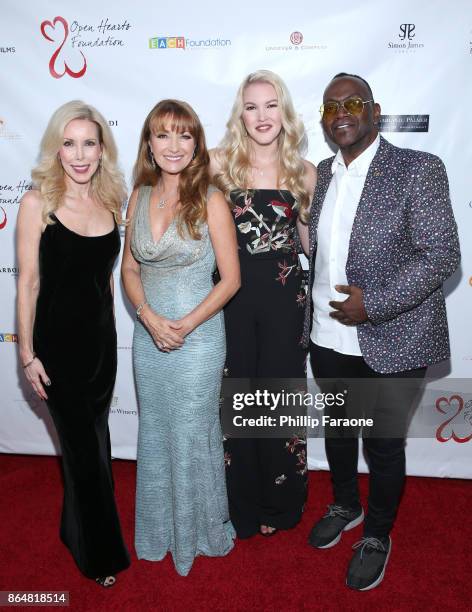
(333, 236)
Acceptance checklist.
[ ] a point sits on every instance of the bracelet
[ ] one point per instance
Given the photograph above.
(139, 308)
(30, 362)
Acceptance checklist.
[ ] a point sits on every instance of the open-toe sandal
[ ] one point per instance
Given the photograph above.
(106, 581)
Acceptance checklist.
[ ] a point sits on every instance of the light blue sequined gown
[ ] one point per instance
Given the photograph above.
(181, 503)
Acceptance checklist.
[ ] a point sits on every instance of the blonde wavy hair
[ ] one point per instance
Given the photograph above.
(108, 185)
(233, 153)
(194, 179)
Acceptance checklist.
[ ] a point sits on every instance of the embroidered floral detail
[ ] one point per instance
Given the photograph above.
(240, 210)
(267, 233)
(280, 479)
(301, 465)
(291, 445)
(301, 299)
(282, 209)
(246, 227)
(285, 270)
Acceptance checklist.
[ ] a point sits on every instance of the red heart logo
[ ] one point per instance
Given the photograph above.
(52, 62)
(4, 222)
(440, 431)
(48, 24)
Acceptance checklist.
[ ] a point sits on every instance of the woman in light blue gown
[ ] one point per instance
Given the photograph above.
(178, 227)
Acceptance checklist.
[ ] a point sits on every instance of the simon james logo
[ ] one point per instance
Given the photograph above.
(408, 41)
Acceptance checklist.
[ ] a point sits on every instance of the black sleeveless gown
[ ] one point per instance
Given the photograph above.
(75, 338)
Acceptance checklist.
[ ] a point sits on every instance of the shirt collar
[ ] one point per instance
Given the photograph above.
(360, 165)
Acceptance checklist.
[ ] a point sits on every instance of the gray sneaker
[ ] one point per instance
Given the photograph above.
(367, 567)
(328, 530)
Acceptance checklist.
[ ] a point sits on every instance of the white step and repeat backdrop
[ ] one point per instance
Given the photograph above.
(123, 57)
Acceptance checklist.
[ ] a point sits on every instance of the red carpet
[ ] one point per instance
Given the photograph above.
(430, 567)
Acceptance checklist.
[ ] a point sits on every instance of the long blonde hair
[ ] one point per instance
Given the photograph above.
(108, 185)
(194, 179)
(233, 153)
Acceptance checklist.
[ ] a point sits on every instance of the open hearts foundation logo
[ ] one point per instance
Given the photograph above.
(459, 419)
(57, 31)
(3, 221)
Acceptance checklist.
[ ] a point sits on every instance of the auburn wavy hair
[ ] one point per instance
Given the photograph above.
(233, 153)
(107, 184)
(194, 179)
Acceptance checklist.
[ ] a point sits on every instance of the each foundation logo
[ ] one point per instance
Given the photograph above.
(8, 337)
(183, 43)
(406, 40)
(296, 38)
(167, 42)
(458, 423)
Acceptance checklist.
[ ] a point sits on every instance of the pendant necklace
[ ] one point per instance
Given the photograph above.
(163, 201)
(261, 171)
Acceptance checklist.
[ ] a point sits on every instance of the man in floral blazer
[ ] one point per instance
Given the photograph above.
(382, 232)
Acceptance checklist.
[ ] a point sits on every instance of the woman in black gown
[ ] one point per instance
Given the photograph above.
(68, 241)
(260, 169)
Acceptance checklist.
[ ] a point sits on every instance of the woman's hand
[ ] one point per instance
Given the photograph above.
(36, 374)
(167, 334)
(185, 325)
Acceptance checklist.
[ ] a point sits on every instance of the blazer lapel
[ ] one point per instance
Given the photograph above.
(365, 213)
(323, 181)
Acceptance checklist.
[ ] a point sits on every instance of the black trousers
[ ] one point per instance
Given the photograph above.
(266, 477)
(389, 400)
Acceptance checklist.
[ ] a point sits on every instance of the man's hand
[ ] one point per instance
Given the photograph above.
(351, 311)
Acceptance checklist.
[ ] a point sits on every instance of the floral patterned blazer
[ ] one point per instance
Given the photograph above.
(403, 246)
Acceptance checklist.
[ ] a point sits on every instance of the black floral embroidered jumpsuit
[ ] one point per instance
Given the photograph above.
(266, 477)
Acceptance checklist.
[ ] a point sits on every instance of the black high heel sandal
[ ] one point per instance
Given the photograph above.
(106, 581)
(268, 534)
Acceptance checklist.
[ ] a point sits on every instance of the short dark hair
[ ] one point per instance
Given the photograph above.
(354, 76)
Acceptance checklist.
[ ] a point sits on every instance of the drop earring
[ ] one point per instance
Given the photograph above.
(153, 161)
